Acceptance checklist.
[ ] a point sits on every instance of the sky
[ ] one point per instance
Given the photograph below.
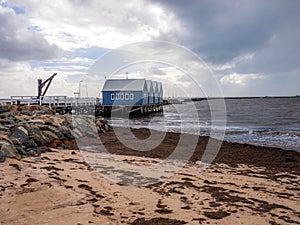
(252, 47)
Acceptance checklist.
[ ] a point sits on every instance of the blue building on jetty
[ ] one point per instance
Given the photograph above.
(141, 95)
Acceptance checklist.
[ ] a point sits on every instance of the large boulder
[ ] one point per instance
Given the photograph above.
(50, 136)
(20, 133)
(9, 150)
(37, 135)
(48, 127)
(55, 121)
(21, 150)
(21, 138)
(30, 143)
(64, 133)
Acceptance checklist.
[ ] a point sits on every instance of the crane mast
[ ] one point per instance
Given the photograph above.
(41, 85)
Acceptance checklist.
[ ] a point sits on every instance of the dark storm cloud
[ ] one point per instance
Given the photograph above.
(222, 30)
(19, 41)
(281, 53)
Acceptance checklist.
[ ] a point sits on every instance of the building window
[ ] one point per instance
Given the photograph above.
(126, 96)
(131, 96)
(122, 96)
(112, 96)
(117, 96)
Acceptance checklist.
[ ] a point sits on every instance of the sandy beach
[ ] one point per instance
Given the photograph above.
(59, 187)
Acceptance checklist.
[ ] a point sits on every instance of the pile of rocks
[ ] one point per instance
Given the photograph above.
(31, 130)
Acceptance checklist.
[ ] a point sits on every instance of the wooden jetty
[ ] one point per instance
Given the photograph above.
(91, 106)
(129, 110)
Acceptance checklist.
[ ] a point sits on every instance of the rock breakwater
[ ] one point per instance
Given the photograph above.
(32, 130)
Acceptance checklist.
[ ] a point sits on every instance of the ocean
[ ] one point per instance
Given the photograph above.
(273, 122)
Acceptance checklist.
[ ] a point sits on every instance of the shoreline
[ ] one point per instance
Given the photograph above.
(230, 153)
(288, 148)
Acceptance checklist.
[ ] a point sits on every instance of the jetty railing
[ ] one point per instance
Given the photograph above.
(50, 100)
(85, 105)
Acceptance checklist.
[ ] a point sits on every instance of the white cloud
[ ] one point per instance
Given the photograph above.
(240, 79)
(152, 70)
(68, 65)
(81, 24)
(233, 63)
(19, 79)
(18, 42)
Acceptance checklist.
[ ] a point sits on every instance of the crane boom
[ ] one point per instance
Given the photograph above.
(41, 85)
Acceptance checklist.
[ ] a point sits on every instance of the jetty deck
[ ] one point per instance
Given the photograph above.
(92, 106)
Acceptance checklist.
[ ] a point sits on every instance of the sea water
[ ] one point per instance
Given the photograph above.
(273, 122)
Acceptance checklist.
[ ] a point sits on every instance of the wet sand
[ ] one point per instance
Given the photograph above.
(245, 185)
(232, 154)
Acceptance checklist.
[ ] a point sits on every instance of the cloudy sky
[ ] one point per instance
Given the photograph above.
(252, 47)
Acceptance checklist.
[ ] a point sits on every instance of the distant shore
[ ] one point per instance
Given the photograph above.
(235, 97)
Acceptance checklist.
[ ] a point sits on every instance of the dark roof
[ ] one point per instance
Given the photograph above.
(124, 85)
